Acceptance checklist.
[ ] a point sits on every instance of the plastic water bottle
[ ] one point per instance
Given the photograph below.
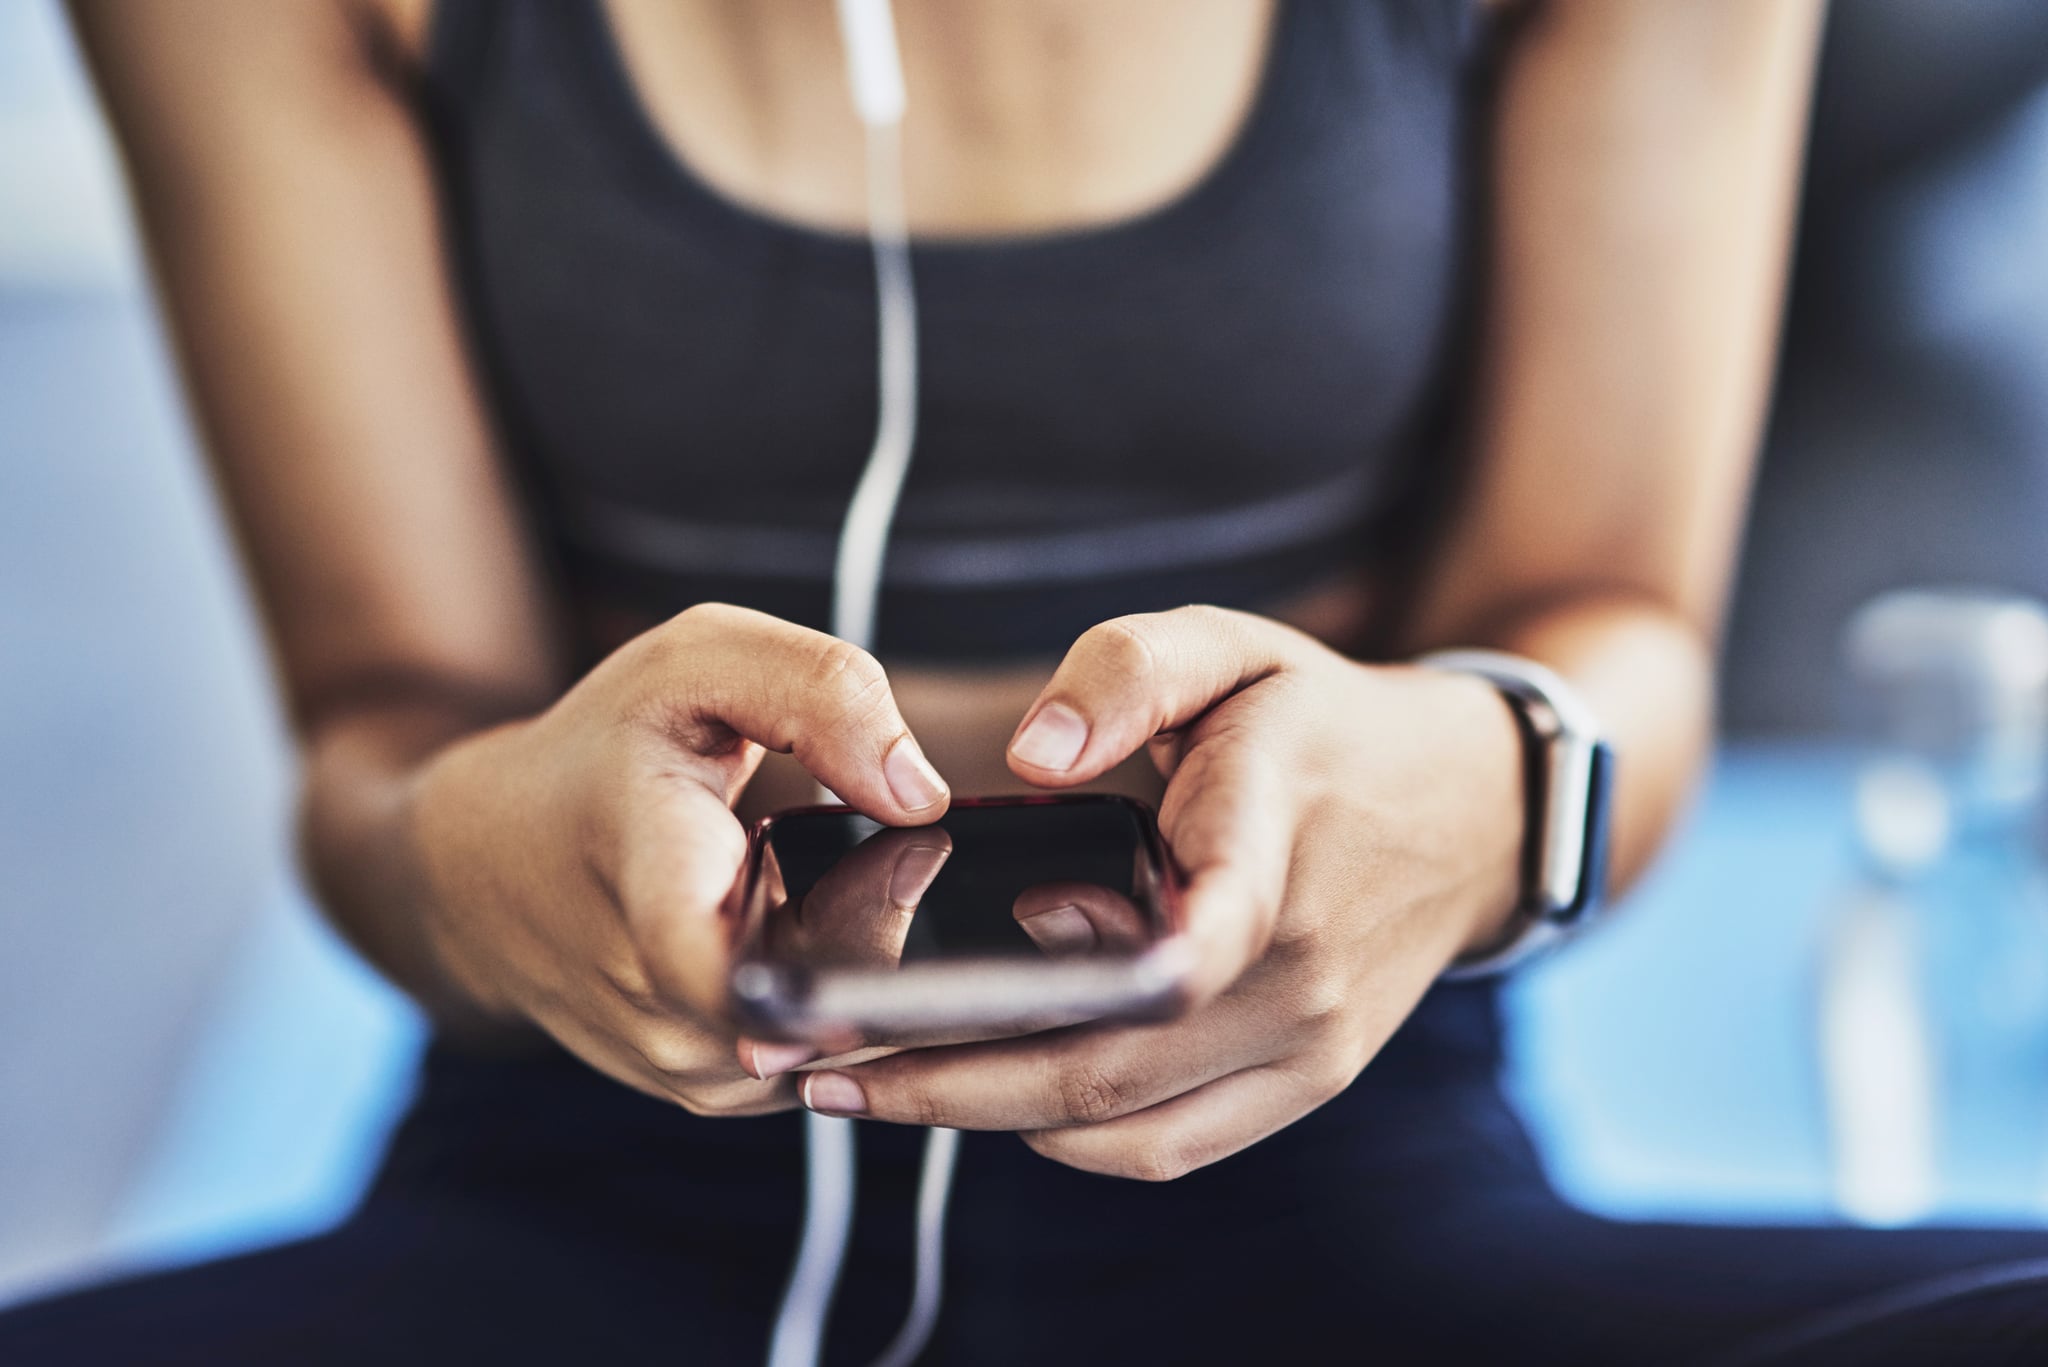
(1934, 975)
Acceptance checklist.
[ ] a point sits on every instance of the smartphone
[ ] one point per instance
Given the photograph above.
(1008, 916)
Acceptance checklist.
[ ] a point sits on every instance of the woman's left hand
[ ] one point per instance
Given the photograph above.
(1346, 830)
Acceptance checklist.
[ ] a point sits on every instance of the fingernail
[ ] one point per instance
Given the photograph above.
(834, 1094)
(915, 869)
(913, 781)
(773, 1060)
(1063, 930)
(1053, 740)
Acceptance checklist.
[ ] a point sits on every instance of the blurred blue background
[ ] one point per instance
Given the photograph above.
(187, 1060)
(189, 1063)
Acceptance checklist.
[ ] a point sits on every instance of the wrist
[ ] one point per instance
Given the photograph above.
(393, 822)
(452, 836)
(1569, 776)
(1483, 783)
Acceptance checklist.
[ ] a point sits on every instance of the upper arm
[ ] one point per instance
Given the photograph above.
(284, 187)
(1644, 177)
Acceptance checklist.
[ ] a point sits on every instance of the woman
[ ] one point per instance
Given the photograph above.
(525, 335)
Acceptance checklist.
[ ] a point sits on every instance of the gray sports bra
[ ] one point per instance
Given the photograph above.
(1227, 399)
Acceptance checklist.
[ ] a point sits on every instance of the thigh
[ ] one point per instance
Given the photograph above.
(528, 1212)
(1593, 1290)
(1410, 1222)
(1990, 1315)
(400, 1284)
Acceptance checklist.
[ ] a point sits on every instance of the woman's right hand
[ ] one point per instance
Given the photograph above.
(578, 863)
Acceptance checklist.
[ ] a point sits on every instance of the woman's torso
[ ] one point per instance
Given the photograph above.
(1224, 394)
(1187, 279)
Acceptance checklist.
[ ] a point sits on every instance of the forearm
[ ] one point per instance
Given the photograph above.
(321, 345)
(1644, 177)
(358, 837)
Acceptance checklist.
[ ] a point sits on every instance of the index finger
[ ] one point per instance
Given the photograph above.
(1132, 678)
(1229, 820)
(798, 691)
(681, 854)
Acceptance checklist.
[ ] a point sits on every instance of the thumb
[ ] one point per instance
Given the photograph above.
(1131, 679)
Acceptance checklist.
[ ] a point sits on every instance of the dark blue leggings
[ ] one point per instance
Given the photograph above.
(532, 1212)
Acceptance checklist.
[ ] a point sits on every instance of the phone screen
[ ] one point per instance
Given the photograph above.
(839, 889)
(1063, 883)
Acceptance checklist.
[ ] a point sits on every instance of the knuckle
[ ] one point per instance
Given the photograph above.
(666, 666)
(1215, 627)
(1125, 645)
(1164, 1159)
(721, 1098)
(925, 1110)
(672, 1055)
(1047, 1144)
(693, 1101)
(650, 978)
(632, 980)
(1331, 1075)
(676, 642)
(652, 660)
(1068, 1149)
(846, 675)
(1323, 1073)
(895, 1090)
(1086, 1094)
(1303, 923)
(1321, 998)
(1284, 696)
(916, 1105)
(1206, 616)
(707, 617)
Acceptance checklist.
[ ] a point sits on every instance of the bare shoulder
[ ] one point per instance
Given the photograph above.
(1727, 22)
(143, 45)
(402, 27)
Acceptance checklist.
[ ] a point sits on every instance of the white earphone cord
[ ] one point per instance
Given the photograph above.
(867, 28)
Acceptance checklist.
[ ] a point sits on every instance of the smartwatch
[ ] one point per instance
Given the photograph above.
(1568, 773)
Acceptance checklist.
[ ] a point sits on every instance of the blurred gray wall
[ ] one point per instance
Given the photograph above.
(1909, 442)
